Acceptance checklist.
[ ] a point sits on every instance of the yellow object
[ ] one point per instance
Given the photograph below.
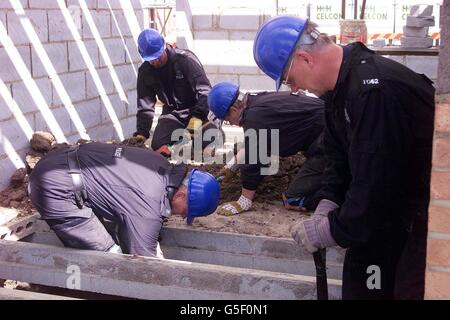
(194, 124)
(230, 209)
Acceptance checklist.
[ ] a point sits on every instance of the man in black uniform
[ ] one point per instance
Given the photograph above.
(75, 188)
(378, 142)
(179, 81)
(299, 121)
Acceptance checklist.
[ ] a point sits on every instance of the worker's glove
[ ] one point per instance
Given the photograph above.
(194, 124)
(235, 207)
(314, 233)
(137, 139)
(164, 150)
(115, 249)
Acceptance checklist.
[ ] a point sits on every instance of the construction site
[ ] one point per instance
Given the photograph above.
(69, 78)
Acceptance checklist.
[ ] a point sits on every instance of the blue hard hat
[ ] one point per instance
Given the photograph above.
(221, 98)
(274, 44)
(203, 195)
(150, 44)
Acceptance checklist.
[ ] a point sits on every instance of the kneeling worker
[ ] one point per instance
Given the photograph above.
(299, 119)
(75, 188)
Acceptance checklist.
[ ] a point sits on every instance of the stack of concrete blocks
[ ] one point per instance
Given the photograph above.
(415, 33)
(47, 83)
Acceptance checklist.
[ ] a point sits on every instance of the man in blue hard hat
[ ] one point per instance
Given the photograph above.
(77, 188)
(177, 78)
(299, 119)
(379, 119)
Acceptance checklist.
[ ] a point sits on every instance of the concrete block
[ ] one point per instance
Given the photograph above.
(211, 35)
(423, 64)
(106, 81)
(43, 4)
(58, 27)
(118, 106)
(415, 32)
(216, 78)
(379, 43)
(18, 228)
(5, 111)
(248, 82)
(115, 50)
(37, 18)
(128, 126)
(399, 59)
(75, 85)
(126, 76)
(202, 22)
(8, 71)
(133, 54)
(12, 294)
(89, 112)
(26, 100)
(132, 102)
(7, 214)
(421, 10)
(76, 60)
(102, 21)
(120, 26)
(57, 53)
(91, 4)
(416, 42)
(7, 169)
(113, 4)
(148, 278)
(419, 22)
(6, 4)
(102, 133)
(61, 116)
(239, 19)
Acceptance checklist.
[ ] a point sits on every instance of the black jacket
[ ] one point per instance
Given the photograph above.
(378, 142)
(181, 85)
(299, 119)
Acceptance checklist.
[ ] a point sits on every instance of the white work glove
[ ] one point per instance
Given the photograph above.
(235, 207)
(115, 249)
(314, 233)
(159, 253)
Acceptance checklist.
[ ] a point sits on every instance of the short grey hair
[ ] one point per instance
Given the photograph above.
(311, 39)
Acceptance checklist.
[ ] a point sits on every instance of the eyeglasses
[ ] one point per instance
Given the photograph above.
(286, 81)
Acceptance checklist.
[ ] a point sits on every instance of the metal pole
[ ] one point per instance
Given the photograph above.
(343, 9)
(355, 9)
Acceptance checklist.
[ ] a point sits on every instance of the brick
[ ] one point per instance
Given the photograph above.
(118, 105)
(439, 219)
(26, 100)
(442, 122)
(437, 285)
(416, 42)
(89, 112)
(421, 10)
(37, 18)
(62, 117)
(106, 80)
(102, 21)
(441, 153)
(127, 77)
(420, 22)
(57, 53)
(76, 60)
(75, 85)
(5, 112)
(438, 252)
(58, 26)
(440, 186)
(115, 51)
(132, 102)
(239, 20)
(415, 32)
(12, 132)
(8, 71)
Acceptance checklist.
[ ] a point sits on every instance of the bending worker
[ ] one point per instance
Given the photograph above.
(76, 188)
(179, 81)
(299, 119)
(379, 119)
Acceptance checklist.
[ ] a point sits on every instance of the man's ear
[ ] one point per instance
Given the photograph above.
(306, 56)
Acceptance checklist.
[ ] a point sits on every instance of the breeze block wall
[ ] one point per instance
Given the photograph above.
(68, 67)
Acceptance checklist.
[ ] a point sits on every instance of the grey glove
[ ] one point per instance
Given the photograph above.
(314, 233)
